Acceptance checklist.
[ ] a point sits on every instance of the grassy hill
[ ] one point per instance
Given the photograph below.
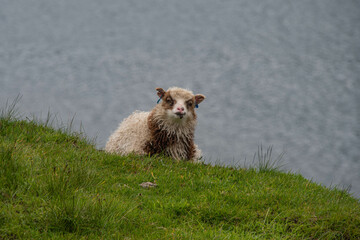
(54, 184)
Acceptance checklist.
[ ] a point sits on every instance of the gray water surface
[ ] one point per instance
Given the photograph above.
(280, 73)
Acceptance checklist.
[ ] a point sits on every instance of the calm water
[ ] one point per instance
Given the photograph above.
(281, 73)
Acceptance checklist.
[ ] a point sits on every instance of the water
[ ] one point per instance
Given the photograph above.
(281, 73)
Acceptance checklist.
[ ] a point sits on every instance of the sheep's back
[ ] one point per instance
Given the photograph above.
(131, 135)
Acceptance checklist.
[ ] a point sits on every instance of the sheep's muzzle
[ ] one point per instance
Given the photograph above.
(180, 114)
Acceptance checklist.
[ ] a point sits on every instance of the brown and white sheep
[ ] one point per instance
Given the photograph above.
(168, 129)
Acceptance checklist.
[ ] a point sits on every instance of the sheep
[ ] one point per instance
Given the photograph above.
(167, 129)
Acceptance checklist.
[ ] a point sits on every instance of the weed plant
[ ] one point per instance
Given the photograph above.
(54, 184)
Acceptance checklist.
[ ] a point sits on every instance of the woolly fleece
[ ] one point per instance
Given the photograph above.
(133, 132)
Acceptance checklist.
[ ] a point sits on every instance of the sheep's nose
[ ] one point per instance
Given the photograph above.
(180, 109)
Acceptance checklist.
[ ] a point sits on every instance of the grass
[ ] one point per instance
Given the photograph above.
(55, 184)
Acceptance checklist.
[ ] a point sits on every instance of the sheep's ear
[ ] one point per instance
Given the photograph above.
(199, 98)
(160, 92)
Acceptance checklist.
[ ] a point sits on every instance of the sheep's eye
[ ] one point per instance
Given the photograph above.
(190, 103)
(169, 101)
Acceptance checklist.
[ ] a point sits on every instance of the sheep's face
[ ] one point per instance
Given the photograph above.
(178, 108)
(179, 104)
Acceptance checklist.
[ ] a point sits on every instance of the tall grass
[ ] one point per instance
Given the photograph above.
(264, 161)
(56, 185)
(10, 110)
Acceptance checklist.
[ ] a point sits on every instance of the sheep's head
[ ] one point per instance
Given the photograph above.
(178, 103)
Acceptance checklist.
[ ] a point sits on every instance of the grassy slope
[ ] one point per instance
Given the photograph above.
(57, 185)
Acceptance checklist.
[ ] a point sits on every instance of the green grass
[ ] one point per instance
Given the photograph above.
(55, 184)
